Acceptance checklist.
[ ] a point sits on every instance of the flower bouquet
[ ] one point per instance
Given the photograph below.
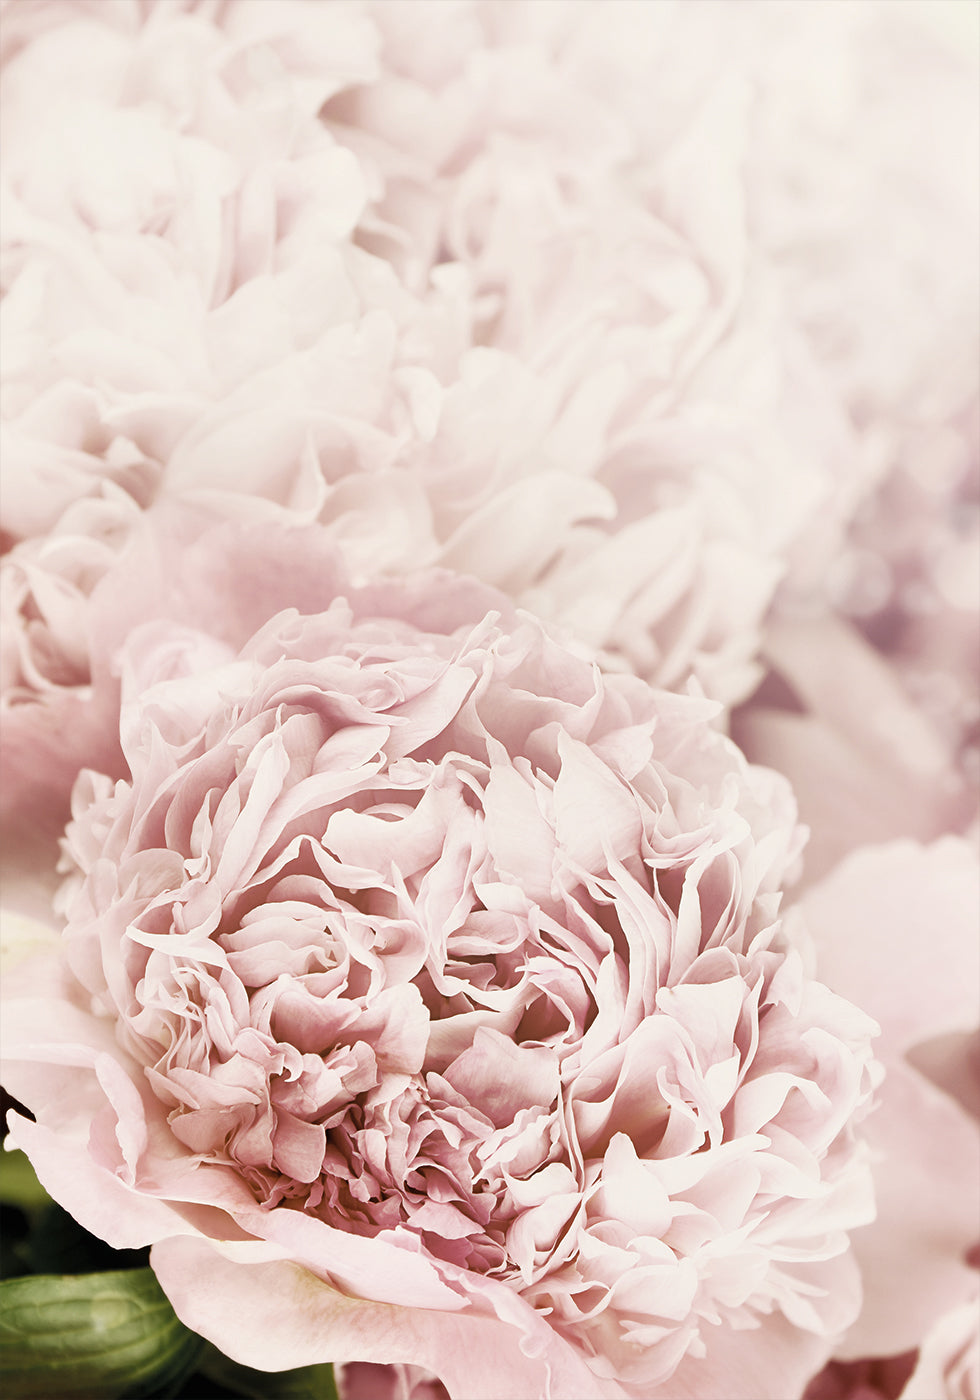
(490, 697)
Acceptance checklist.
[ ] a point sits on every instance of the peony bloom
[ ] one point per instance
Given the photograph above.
(949, 1360)
(518, 290)
(51, 679)
(241, 283)
(421, 991)
(843, 164)
(946, 1367)
(867, 763)
(871, 703)
(895, 927)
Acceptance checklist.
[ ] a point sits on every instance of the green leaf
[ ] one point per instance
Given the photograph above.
(91, 1337)
(18, 1184)
(305, 1383)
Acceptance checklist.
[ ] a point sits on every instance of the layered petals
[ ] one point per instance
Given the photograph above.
(348, 969)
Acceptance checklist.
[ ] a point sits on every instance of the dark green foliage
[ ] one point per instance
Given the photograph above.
(82, 1321)
(99, 1336)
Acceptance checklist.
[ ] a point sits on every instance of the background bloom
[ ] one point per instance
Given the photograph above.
(895, 928)
(351, 979)
(351, 998)
(949, 1361)
(948, 1365)
(448, 279)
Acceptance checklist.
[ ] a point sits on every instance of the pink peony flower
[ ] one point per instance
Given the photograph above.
(871, 703)
(58, 700)
(949, 1361)
(895, 927)
(947, 1367)
(201, 288)
(867, 763)
(908, 579)
(442, 278)
(896, 336)
(421, 991)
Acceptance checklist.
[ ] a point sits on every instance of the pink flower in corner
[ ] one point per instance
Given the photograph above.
(949, 1359)
(448, 281)
(895, 927)
(421, 993)
(946, 1367)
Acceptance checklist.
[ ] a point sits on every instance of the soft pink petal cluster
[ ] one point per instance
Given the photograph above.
(418, 987)
(445, 278)
(416, 948)
(871, 706)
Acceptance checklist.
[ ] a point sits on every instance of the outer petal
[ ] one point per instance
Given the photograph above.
(848, 796)
(50, 1046)
(44, 743)
(104, 1205)
(895, 929)
(768, 1363)
(896, 932)
(274, 1315)
(865, 764)
(927, 1180)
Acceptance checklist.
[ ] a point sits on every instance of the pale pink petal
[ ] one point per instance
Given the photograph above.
(765, 1363)
(276, 1315)
(949, 1359)
(867, 766)
(896, 931)
(926, 1162)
